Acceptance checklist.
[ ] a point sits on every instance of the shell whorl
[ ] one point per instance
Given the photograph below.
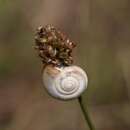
(65, 82)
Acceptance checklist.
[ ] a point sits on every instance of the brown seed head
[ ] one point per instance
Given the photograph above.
(53, 46)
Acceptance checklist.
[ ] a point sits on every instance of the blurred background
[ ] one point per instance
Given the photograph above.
(101, 30)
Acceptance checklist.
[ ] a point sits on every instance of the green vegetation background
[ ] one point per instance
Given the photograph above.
(101, 30)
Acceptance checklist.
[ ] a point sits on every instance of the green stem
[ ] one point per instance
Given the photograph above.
(85, 113)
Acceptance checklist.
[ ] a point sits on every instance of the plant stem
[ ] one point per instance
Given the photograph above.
(85, 113)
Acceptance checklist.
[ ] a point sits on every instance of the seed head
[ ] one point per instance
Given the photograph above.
(53, 46)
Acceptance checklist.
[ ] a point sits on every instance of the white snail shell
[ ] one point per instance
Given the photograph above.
(65, 82)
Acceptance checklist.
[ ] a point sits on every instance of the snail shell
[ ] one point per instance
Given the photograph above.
(65, 82)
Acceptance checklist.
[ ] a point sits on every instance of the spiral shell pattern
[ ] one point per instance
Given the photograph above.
(65, 82)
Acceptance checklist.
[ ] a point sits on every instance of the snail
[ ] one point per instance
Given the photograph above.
(60, 77)
(64, 83)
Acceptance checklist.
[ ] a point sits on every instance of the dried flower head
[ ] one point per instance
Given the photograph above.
(53, 46)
